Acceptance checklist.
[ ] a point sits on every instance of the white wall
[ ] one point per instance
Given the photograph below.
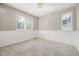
(53, 21)
(50, 27)
(11, 37)
(62, 37)
(8, 33)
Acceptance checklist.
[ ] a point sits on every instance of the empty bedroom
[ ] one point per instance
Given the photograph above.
(39, 29)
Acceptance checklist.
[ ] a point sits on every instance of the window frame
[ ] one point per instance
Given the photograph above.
(25, 20)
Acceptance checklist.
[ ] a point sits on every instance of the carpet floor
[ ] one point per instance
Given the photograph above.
(39, 47)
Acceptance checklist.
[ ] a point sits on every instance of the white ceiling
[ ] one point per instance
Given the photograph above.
(48, 8)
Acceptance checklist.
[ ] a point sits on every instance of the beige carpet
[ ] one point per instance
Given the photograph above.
(39, 47)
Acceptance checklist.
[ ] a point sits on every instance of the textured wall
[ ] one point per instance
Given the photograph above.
(71, 38)
(11, 37)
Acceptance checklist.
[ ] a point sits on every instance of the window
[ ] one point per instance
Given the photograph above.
(29, 24)
(22, 24)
